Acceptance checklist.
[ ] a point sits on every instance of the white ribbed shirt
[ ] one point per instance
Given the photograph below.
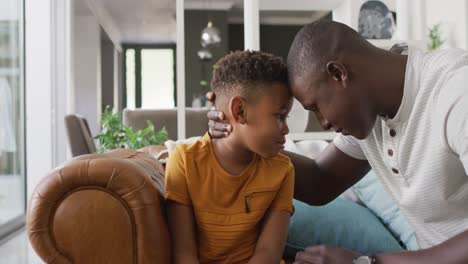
(421, 155)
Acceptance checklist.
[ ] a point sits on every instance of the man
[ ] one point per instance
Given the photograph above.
(404, 116)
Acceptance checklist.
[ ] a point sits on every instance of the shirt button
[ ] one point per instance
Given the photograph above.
(390, 152)
(392, 132)
(395, 171)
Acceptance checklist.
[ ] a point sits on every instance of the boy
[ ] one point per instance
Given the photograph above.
(230, 199)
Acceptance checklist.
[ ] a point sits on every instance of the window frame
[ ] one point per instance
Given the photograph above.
(138, 48)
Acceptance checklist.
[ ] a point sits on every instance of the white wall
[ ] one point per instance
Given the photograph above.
(421, 14)
(348, 12)
(453, 16)
(62, 76)
(48, 85)
(87, 70)
(38, 91)
(62, 86)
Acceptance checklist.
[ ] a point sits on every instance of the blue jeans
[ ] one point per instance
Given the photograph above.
(341, 223)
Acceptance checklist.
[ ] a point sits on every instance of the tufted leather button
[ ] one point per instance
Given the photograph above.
(392, 132)
(395, 171)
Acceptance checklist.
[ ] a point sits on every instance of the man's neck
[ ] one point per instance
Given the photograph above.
(388, 82)
(231, 154)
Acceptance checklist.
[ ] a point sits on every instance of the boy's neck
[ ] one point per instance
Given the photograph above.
(231, 154)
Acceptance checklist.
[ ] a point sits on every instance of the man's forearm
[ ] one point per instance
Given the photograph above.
(320, 181)
(452, 251)
(310, 182)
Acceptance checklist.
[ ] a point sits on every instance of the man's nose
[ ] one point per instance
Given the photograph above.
(323, 121)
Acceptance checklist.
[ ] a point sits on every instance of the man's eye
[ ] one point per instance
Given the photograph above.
(313, 108)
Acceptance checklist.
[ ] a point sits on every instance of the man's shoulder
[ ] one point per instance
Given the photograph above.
(446, 60)
(454, 92)
(432, 74)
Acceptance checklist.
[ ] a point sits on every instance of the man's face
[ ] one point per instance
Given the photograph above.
(337, 105)
(266, 121)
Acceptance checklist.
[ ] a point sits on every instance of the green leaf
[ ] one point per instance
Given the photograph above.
(435, 39)
(116, 135)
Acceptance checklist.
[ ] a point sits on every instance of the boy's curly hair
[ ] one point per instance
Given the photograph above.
(247, 71)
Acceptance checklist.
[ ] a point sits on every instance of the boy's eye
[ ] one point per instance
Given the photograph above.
(282, 117)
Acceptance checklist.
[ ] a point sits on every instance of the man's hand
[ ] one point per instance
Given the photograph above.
(325, 255)
(216, 123)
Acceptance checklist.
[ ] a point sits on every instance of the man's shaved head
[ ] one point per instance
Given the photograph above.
(320, 42)
(331, 72)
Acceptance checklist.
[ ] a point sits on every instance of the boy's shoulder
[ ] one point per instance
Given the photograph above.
(272, 173)
(278, 163)
(281, 158)
(200, 145)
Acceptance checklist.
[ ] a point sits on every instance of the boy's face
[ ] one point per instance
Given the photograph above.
(265, 129)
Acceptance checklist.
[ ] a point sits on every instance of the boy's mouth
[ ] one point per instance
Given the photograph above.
(281, 142)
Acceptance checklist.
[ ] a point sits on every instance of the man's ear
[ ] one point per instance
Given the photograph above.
(237, 109)
(337, 71)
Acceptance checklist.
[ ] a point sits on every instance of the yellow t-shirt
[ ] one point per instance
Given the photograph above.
(228, 209)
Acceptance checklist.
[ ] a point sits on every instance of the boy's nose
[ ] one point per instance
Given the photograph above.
(285, 129)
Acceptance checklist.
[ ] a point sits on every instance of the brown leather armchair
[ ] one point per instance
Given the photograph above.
(101, 208)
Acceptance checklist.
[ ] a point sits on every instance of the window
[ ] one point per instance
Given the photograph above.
(130, 78)
(12, 146)
(150, 76)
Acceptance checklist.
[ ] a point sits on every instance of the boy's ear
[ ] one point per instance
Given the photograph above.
(237, 109)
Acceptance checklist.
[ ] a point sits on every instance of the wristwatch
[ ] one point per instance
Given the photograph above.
(365, 260)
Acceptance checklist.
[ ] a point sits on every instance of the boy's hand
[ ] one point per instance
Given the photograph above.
(217, 125)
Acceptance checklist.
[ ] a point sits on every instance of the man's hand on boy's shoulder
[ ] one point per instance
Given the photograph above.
(218, 128)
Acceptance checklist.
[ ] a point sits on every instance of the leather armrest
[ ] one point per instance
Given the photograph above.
(101, 208)
(158, 152)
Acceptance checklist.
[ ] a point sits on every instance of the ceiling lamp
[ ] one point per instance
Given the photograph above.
(205, 54)
(210, 36)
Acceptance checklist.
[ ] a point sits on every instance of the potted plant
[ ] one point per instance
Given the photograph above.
(435, 37)
(114, 134)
